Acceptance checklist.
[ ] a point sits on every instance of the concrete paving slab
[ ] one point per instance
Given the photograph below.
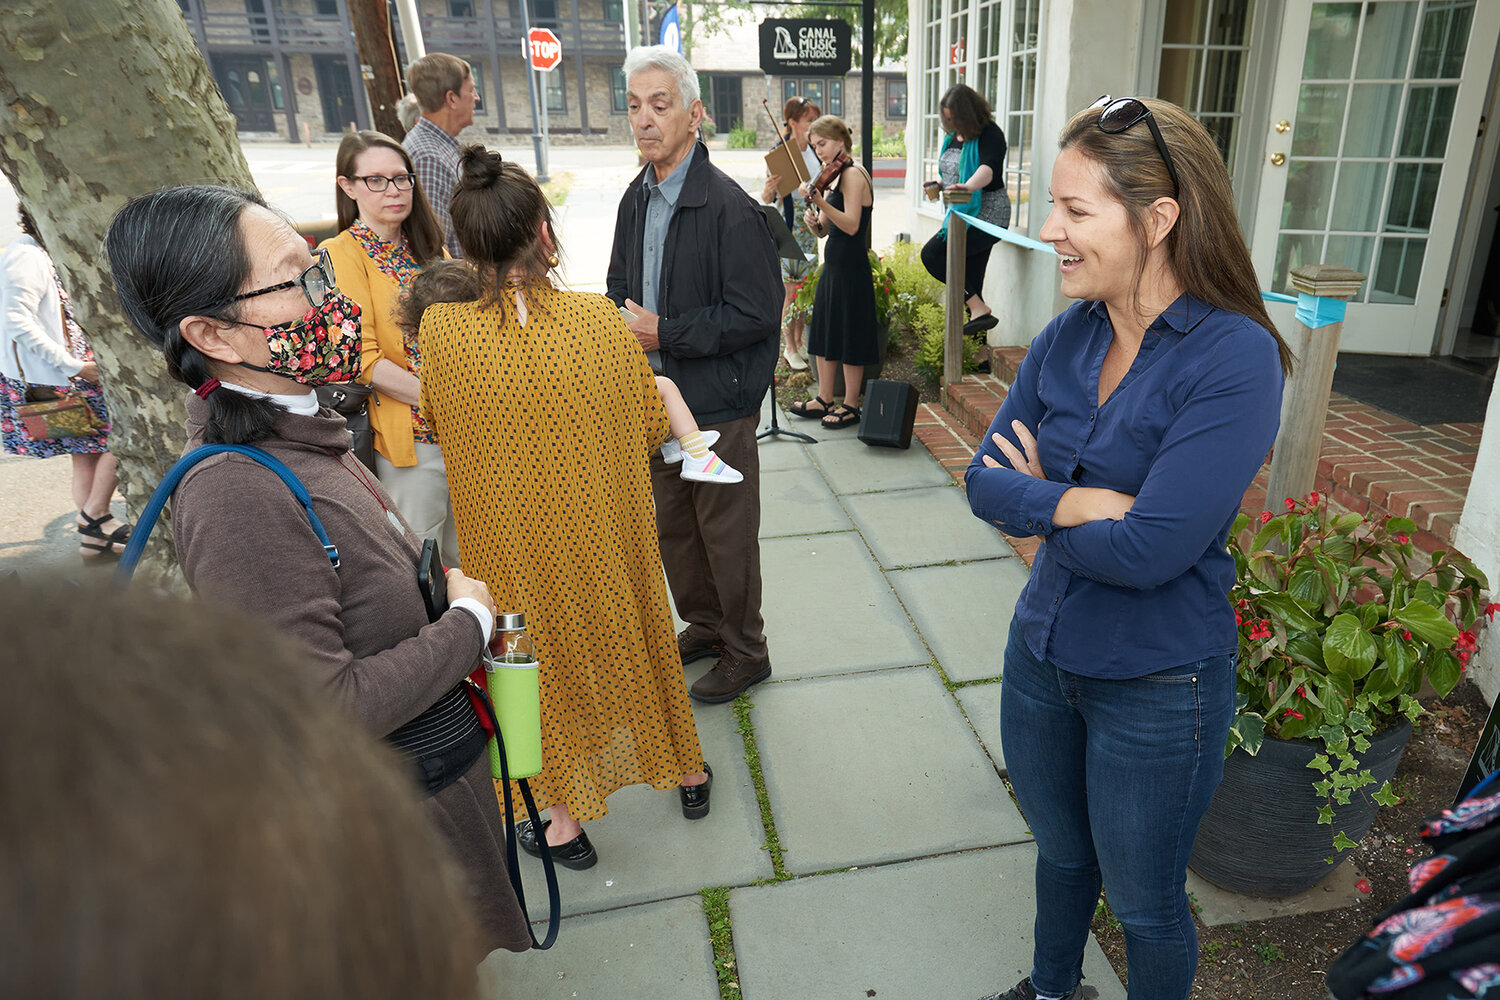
(871, 768)
(923, 527)
(829, 610)
(660, 950)
(957, 926)
(963, 611)
(853, 467)
(797, 502)
(981, 703)
(1220, 906)
(649, 852)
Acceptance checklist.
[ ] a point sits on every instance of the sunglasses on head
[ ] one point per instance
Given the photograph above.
(1116, 116)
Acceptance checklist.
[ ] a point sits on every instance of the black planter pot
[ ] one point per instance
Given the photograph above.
(1261, 835)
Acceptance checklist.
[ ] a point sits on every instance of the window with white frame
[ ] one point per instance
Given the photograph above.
(995, 47)
(1205, 48)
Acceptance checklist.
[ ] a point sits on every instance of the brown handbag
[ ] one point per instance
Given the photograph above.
(49, 413)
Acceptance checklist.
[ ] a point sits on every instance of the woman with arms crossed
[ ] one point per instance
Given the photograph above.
(1137, 420)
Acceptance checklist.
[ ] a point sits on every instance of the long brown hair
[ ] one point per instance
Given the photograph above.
(969, 111)
(423, 232)
(1206, 248)
(497, 215)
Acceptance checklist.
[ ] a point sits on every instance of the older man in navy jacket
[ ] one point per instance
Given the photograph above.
(695, 263)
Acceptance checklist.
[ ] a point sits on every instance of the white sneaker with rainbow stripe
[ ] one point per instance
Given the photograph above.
(671, 449)
(712, 469)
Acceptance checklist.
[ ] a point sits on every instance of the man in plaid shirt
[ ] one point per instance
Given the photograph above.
(444, 88)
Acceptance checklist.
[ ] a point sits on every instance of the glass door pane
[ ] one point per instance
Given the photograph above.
(1375, 107)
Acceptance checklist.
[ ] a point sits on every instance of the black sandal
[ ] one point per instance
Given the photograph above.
(801, 408)
(844, 416)
(93, 528)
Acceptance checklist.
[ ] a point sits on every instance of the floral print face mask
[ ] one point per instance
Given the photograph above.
(320, 348)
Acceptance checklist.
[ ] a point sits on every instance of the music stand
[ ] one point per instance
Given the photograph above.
(786, 246)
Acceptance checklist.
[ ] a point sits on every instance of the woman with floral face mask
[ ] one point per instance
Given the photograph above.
(250, 319)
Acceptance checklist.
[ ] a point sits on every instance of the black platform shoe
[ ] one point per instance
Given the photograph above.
(695, 797)
(576, 854)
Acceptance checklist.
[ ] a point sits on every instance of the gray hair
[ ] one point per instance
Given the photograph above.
(670, 61)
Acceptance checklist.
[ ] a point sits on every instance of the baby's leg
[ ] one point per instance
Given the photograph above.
(679, 417)
(687, 444)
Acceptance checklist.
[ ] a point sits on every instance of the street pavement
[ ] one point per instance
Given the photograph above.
(907, 867)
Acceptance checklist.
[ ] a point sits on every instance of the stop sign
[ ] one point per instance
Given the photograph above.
(544, 49)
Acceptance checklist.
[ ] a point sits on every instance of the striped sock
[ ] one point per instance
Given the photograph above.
(694, 445)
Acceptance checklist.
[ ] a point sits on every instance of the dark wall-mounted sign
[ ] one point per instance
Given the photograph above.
(805, 45)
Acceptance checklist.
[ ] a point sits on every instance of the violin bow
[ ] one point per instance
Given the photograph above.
(786, 140)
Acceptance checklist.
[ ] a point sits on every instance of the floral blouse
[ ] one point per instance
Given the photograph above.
(394, 260)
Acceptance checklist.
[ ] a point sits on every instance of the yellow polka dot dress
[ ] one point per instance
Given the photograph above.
(547, 429)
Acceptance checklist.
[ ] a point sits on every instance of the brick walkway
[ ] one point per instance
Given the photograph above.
(1371, 461)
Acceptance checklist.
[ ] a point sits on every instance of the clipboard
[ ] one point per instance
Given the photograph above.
(786, 243)
(784, 161)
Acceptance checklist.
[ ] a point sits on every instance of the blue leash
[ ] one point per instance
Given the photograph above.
(147, 521)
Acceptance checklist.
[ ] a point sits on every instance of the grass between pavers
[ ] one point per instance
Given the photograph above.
(746, 728)
(721, 936)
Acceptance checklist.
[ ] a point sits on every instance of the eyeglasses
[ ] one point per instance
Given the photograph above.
(1120, 115)
(377, 183)
(316, 282)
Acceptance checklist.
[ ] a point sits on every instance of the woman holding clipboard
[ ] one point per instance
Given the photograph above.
(798, 113)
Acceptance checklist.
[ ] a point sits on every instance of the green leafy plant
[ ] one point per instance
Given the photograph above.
(741, 137)
(802, 299)
(708, 127)
(910, 284)
(928, 326)
(1341, 621)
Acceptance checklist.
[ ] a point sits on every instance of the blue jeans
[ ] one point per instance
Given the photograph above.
(1113, 777)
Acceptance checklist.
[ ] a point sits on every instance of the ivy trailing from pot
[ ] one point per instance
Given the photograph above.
(1341, 622)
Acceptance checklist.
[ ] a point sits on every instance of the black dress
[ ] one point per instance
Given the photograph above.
(843, 326)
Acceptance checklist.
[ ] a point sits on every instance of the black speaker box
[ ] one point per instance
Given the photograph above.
(890, 411)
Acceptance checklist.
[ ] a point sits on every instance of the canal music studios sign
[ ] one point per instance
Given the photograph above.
(793, 46)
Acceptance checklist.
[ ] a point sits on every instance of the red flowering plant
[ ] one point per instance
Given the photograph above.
(1341, 621)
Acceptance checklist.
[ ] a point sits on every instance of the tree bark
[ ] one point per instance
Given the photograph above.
(371, 21)
(102, 100)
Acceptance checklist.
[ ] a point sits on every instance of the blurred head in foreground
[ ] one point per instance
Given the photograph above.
(185, 816)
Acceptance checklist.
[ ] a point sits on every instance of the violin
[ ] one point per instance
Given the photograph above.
(831, 170)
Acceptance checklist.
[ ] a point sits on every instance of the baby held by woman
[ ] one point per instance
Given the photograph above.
(457, 281)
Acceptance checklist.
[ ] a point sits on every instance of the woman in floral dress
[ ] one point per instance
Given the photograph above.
(41, 346)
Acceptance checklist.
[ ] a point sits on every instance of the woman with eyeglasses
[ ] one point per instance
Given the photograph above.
(972, 161)
(1138, 419)
(249, 319)
(387, 233)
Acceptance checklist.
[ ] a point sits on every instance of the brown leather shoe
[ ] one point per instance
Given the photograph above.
(691, 648)
(728, 678)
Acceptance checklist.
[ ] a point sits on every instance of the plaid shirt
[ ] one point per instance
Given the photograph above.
(434, 156)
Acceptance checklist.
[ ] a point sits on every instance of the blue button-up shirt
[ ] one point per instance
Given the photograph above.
(661, 202)
(1184, 433)
(434, 157)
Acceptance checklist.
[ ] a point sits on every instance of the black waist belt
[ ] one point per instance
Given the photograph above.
(443, 742)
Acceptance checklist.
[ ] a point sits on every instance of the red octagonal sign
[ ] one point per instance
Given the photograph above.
(544, 48)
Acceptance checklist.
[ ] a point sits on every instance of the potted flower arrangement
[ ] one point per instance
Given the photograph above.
(1342, 622)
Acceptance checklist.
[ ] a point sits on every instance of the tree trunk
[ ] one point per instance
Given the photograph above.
(371, 21)
(102, 100)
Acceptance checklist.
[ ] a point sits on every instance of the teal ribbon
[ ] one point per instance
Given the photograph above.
(1313, 311)
(968, 162)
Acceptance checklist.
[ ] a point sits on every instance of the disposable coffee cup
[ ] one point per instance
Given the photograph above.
(514, 683)
(932, 189)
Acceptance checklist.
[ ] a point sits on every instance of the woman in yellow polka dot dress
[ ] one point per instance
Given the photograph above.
(547, 410)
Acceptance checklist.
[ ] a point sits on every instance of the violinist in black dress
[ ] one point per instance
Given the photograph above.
(843, 328)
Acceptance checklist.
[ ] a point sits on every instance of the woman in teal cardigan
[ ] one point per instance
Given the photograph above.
(972, 160)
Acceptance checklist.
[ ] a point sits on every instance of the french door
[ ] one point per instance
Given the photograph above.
(1373, 116)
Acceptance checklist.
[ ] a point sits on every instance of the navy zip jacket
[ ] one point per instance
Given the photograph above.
(719, 296)
(1184, 433)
